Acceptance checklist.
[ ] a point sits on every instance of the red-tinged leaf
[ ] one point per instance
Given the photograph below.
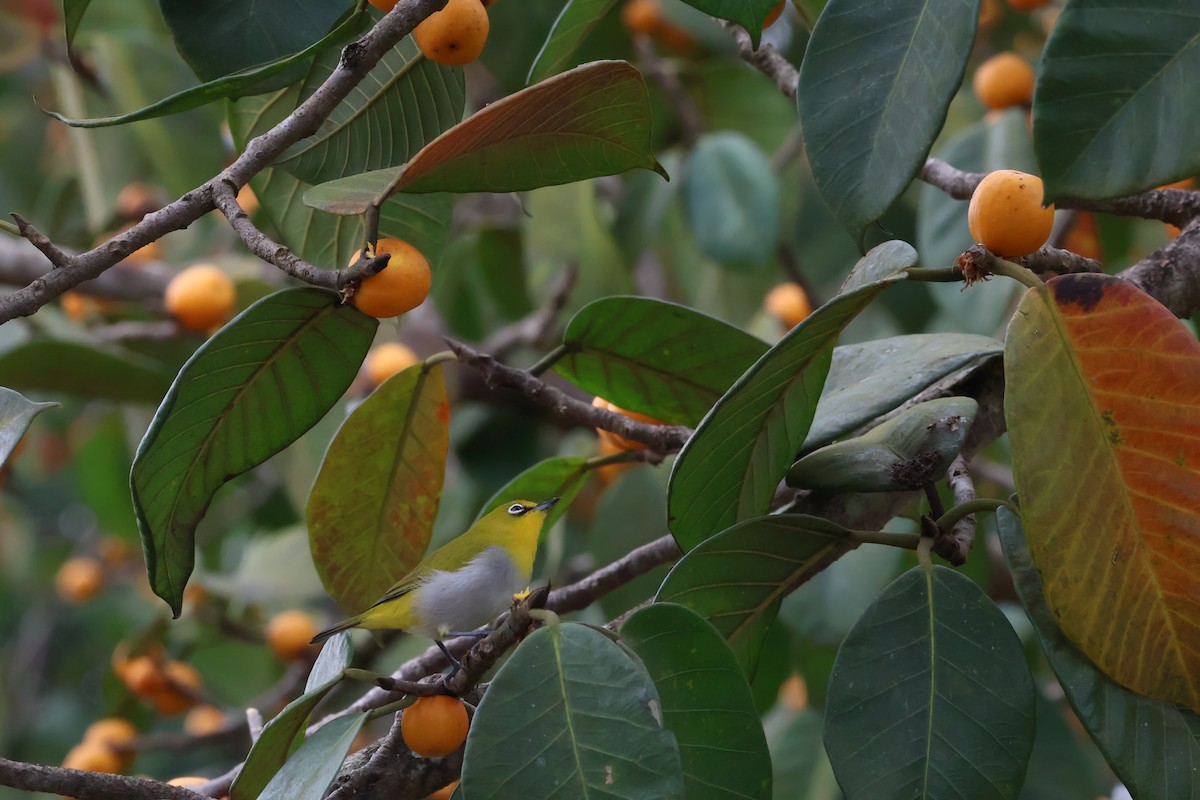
(1103, 406)
(600, 126)
(371, 511)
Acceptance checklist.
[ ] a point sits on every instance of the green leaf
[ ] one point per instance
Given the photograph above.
(737, 579)
(218, 37)
(502, 271)
(73, 11)
(97, 372)
(101, 467)
(942, 232)
(601, 126)
(574, 23)
(1091, 116)
(16, 414)
(371, 511)
(570, 700)
(309, 773)
(731, 199)
(227, 85)
(933, 679)
(706, 703)
(405, 102)
(875, 84)
(1152, 746)
(731, 466)
(869, 379)
(654, 357)
(279, 735)
(250, 391)
(747, 13)
(554, 477)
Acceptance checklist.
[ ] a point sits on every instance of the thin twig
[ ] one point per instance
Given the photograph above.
(765, 59)
(955, 544)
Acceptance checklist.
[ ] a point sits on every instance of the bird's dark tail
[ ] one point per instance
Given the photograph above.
(344, 625)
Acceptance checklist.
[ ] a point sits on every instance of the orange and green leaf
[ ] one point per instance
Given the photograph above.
(1103, 409)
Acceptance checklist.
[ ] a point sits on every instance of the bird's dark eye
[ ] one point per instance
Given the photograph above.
(516, 509)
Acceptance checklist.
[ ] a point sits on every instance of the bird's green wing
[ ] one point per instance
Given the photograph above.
(449, 557)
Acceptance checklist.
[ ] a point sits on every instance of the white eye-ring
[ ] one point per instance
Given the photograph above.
(516, 509)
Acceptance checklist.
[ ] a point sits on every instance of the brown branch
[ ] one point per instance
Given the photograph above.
(535, 328)
(635, 563)
(1171, 275)
(765, 59)
(955, 545)
(21, 264)
(38, 239)
(356, 61)
(88, 785)
(662, 438)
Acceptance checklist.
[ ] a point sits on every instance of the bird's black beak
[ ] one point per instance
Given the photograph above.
(545, 504)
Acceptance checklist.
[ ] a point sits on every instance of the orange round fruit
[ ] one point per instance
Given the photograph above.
(1187, 184)
(434, 726)
(1006, 213)
(454, 36)
(608, 447)
(112, 731)
(200, 297)
(181, 683)
(989, 13)
(620, 441)
(187, 780)
(289, 633)
(402, 286)
(444, 793)
(793, 693)
(1004, 80)
(774, 14)
(1083, 238)
(248, 200)
(1027, 5)
(93, 757)
(79, 579)
(789, 303)
(143, 675)
(641, 16)
(385, 360)
(204, 720)
(1172, 230)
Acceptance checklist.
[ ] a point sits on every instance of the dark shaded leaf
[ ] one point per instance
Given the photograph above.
(97, 372)
(574, 23)
(73, 11)
(554, 477)
(309, 773)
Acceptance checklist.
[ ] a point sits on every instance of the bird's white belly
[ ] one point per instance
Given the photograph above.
(469, 597)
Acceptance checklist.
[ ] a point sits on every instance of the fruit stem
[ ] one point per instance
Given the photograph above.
(9, 228)
(547, 361)
(439, 358)
(946, 521)
(907, 541)
(1001, 266)
(371, 225)
(391, 708)
(935, 274)
(613, 458)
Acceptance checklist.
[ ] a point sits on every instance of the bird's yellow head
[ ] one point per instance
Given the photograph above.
(516, 526)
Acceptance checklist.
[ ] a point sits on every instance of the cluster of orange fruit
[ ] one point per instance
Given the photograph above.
(172, 687)
(454, 36)
(645, 17)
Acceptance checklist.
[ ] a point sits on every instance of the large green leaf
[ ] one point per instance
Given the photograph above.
(731, 199)
(405, 102)
(107, 372)
(278, 737)
(875, 84)
(730, 468)
(574, 23)
(570, 715)
(654, 357)
(930, 696)
(250, 391)
(747, 13)
(219, 37)
(73, 11)
(872, 378)
(230, 85)
(16, 414)
(706, 703)
(601, 126)
(1116, 125)
(555, 477)
(308, 774)
(737, 579)
(101, 467)
(942, 232)
(1153, 746)
(372, 506)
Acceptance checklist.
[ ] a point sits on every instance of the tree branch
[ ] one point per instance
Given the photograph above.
(765, 59)
(88, 785)
(21, 264)
(955, 545)
(357, 60)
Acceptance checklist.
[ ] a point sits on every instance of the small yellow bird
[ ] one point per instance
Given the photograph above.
(465, 583)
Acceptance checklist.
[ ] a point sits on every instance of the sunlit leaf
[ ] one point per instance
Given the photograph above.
(250, 391)
(574, 23)
(731, 466)
(572, 701)
(555, 477)
(736, 579)
(16, 414)
(875, 84)
(1152, 746)
(1115, 536)
(601, 126)
(706, 703)
(308, 774)
(278, 736)
(930, 696)
(371, 511)
(654, 357)
(1112, 126)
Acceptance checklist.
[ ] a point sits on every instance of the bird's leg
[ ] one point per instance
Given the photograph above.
(477, 634)
(455, 664)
